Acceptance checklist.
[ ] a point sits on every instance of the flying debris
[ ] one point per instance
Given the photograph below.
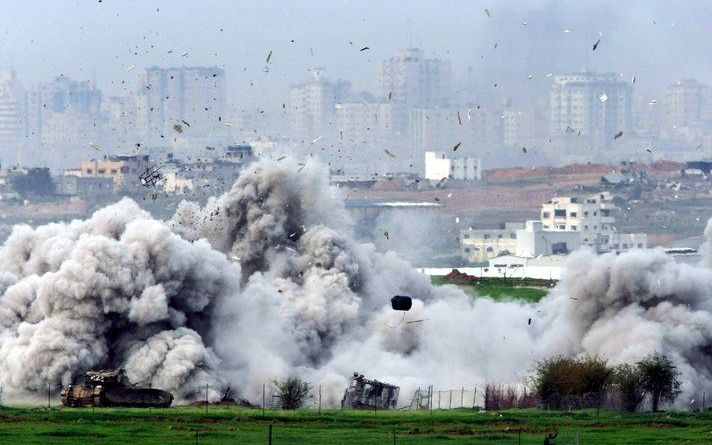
(185, 54)
(653, 102)
(186, 123)
(529, 322)
(530, 76)
(281, 158)
(269, 56)
(632, 80)
(401, 303)
(595, 45)
(459, 119)
(390, 154)
(648, 150)
(178, 128)
(389, 95)
(385, 233)
(603, 97)
(457, 146)
(566, 31)
(570, 130)
(131, 67)
(488, 13)
(364, 48)
(151, 176)
(95, 146)
(316, 140)
(524, 149)
(617, 135)
(209, 148)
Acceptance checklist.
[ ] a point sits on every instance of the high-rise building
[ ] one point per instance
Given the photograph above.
(598, 105)
(312, 109)
(174, 96)
(11, 117)
(411, 81)
(688, 109)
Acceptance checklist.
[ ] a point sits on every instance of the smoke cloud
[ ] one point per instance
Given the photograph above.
(266, 281)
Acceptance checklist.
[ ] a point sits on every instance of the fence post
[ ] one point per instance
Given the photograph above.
(320, 400)
(206, 399)
(49, 396)
(430, 399)
(474, 398)
(394, 435)
(462, 397)
(450, 404)
(438, 399)
(270, 433)
(263, 401)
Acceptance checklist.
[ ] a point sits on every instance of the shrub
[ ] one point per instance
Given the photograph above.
(292, 393)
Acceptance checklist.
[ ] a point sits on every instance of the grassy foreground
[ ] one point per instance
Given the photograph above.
(498, 289)
(234, 425)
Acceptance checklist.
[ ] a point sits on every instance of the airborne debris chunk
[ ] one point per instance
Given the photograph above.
(457, 146)
(617, 135)
(390, 154)
(401, 303)
(178, 128)
(595, 45)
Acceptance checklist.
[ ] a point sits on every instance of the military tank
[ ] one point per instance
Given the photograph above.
(112, 388)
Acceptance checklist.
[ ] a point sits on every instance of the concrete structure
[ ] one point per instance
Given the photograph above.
(534, 241)
(84, 185)
(592, 218)
(439, 165)
(312, 109)
(479, 245)
(412, 81)
(123, 170)
(598, 105)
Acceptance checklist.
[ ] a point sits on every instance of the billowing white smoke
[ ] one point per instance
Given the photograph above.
(266, 281)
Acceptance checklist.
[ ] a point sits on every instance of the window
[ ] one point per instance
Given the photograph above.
(89, 171)
(113, 171)
(486, 236)
(560, 213)
(467, 250)
(585, 213)
(499, 236)
(585, 227)
(513, 235)
(124, 169)
(625, 245)
(605, 212)
(595, 213)
(545, 215)
(490, 249)
(466, 236)
(574, 228)
(640, 245)
(573, 215)
(101, 171)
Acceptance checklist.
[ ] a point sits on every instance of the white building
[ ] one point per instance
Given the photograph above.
(598, 105)
(478, 245)
(534, 241)
(439, 165)
(592, 218)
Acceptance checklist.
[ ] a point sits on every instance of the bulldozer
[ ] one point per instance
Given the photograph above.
(112, 388)
(363, 393)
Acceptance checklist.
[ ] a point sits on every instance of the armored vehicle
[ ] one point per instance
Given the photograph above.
(112, 388)
(369, 394)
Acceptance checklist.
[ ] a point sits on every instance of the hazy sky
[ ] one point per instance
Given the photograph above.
(654, 40)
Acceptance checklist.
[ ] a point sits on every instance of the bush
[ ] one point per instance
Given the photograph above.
(563, 382)
(293, 393)
(659, 378)
(628, 382)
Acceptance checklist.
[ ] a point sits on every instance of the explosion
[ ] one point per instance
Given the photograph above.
(266, 281)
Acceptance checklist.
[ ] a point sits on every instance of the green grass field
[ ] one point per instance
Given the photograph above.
(234, 425)
(498, 289)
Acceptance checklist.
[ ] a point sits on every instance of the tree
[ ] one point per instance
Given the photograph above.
(292, 393)
(659, 377)
(628, 382)
(37, 181)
